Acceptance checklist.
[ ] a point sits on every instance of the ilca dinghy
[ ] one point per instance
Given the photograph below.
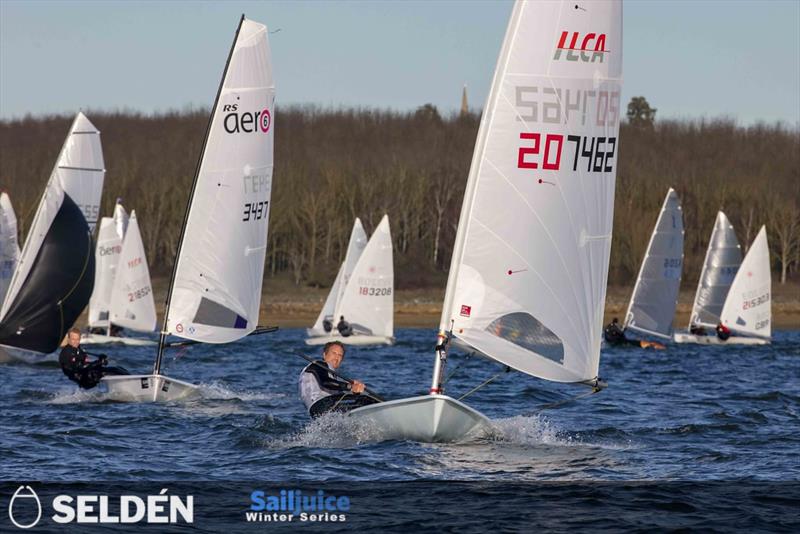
(214, 294)
(655, 294)
(54, 276)
(123, 295)
(528, 275)
(721, 263)
(359, 309)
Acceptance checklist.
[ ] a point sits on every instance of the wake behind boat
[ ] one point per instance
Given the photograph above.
(528, 275)
(214, 294)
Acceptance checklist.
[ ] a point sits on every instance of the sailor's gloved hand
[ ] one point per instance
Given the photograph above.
(357, 387)
(103, 359)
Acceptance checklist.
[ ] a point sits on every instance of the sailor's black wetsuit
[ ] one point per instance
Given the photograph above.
(344, 328)
(322, 391)
(76, 365)
(614, 335)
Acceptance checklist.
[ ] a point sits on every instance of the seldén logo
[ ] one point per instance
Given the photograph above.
(25, 509)
(22, 503)
(236, 121)
(592, 47)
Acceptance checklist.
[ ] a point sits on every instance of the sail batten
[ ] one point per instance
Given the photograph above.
(529, 269)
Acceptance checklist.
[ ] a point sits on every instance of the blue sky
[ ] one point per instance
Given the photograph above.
(690, 59)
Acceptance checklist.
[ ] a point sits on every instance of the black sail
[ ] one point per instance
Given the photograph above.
(58, 286)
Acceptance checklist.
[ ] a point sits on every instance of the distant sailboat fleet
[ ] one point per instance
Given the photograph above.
(528, 276)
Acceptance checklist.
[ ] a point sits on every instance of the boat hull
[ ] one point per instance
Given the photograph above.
(714, 340)
(355, 339)
(147, 388)
(99, 339)
(427, 419)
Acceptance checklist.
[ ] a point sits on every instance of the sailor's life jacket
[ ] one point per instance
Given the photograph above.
(322, 391)
(723, 332)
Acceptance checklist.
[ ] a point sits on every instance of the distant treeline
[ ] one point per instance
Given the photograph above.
(334, 165)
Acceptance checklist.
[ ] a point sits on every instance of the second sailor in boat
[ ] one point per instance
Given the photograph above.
(76, 366)
(323, 391)
(344, 327)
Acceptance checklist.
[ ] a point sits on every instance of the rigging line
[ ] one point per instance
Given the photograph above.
(448, 377)
(595, 389)
(484, 383)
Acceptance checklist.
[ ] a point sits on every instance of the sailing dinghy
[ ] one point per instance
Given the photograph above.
(747, 310)
(9, 246)
(528, 275)
(54, 276)
(214, 294)
(362, 293)
(655, 294)
(721, 263)
(123, 294)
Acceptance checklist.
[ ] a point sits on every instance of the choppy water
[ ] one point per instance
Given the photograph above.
(688, 413)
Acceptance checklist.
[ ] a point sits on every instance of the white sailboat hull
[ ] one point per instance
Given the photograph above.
(355, 339)
(148, 388)
(99, 339)
(714, 340)
(427, 419)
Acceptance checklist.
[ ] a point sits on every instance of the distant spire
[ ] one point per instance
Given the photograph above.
(464, 105)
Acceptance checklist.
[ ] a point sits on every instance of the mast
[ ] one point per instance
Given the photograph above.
(163, 334)
(443, 336)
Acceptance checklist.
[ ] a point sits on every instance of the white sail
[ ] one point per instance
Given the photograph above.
(358, 240)
(528, 277)
(79, 172)
(655, 294)
(132, 304)
(216, 291)
(723, 257)
(81, 169)
(107, 256)
(368, 299)
(748, 308)
(9, 246)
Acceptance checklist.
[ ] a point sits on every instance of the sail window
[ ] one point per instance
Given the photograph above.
(214, 314)
(524, 330)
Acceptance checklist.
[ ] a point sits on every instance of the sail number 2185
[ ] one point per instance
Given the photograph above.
(544, 151)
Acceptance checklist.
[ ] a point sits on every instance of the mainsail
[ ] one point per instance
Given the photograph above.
(215, 293)
(723, 257)
(358, 240)
(132, 305)
(367, 302)
(54, 276)
(9, 246)
(107, 257)
(655, 294)
(748, 309)
(528, 277)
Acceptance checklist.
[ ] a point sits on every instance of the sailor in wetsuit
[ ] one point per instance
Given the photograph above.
(75, 363)
(323, 391)
(344, 327)
(615, 335)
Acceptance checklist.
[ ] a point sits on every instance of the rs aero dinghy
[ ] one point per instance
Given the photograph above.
(527, 280)
(215, 289)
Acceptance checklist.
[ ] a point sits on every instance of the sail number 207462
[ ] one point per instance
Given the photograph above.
(546, 150)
